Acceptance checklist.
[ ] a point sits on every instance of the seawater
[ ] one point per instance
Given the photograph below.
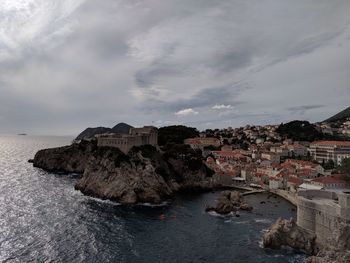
(43, 219)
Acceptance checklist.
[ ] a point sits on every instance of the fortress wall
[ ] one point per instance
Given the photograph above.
(322, 215)
(137, 137)
(317, 193)
(317, 218)
(306, 216)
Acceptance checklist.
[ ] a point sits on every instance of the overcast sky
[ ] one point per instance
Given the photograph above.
(70, 64)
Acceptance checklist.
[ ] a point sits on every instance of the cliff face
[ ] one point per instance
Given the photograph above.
(69, 159)
(144, 175)
(287, 233)
(337, 249)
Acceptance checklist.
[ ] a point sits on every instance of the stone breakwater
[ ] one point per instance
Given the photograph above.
(144, 175)
(322, 229)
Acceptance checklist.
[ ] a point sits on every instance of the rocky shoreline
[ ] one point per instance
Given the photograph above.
(144, 175)
(287, 233)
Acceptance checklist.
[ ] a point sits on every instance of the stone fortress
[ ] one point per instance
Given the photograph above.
(322, 212)
(136, 137)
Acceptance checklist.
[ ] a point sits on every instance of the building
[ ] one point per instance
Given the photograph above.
(230, 156)
(300, 165)
(201, 142)
(331, 182)
(281, 150)
(296, 150)
(293, 183)
(136, 137)
(323, 151)
(273, 157)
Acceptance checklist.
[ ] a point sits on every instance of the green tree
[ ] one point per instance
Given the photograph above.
(329, 165)
(175, 134)
(345, 168)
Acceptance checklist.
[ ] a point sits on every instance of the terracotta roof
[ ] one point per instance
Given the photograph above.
(301, 162)
(333, 179)
(295, 180)
(330, 143)
(296, 146)
(228, 154)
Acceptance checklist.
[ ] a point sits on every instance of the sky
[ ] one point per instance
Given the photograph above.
(70, 64)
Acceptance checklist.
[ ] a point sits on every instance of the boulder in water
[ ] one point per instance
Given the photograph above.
(229, 202)
(287, 233)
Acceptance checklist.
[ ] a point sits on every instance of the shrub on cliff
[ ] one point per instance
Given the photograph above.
(112, 153)
(175, 134)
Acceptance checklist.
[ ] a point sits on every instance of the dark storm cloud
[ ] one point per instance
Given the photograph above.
(304, 108)
(204, 98)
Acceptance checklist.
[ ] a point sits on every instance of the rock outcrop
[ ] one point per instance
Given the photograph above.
(145, 175)
(287, 233)
(337, 249)
(229, 202)
(68, 159)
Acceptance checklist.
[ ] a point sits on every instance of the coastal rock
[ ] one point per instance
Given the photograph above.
(110, 174)
(229, 202)
(337, 249)
(286, 233)
(67, 159)
(144, 175)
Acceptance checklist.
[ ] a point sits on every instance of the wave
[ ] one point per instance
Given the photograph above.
(263, 221)
(103, 201)
(165, 203)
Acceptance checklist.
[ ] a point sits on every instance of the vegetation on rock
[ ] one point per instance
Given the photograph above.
(175, 134)
(341, 116)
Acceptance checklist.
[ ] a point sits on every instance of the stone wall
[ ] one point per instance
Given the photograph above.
(321, 212)
(137, 137)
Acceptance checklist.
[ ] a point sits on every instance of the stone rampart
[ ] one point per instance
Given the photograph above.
(321, 212)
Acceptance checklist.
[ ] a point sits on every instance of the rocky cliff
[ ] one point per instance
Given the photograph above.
(144, 175)
(287, 233)
(337, 249)
(68, 159)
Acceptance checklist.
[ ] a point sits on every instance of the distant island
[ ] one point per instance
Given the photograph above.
(21, 134)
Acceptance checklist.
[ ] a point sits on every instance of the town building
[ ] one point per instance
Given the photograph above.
(324, 151)
(136, 137)
(202, 142)
(331, 182)
(273, 157)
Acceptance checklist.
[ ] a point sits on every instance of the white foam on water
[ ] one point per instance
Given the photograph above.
(263, 221)
(165, 203)
(109, 202)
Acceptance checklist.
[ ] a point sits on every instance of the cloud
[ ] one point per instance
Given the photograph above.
(69, 64)
(186, 112)
(222, 107)
(304, 108)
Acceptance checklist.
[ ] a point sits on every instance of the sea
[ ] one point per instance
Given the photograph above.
(43, 219)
